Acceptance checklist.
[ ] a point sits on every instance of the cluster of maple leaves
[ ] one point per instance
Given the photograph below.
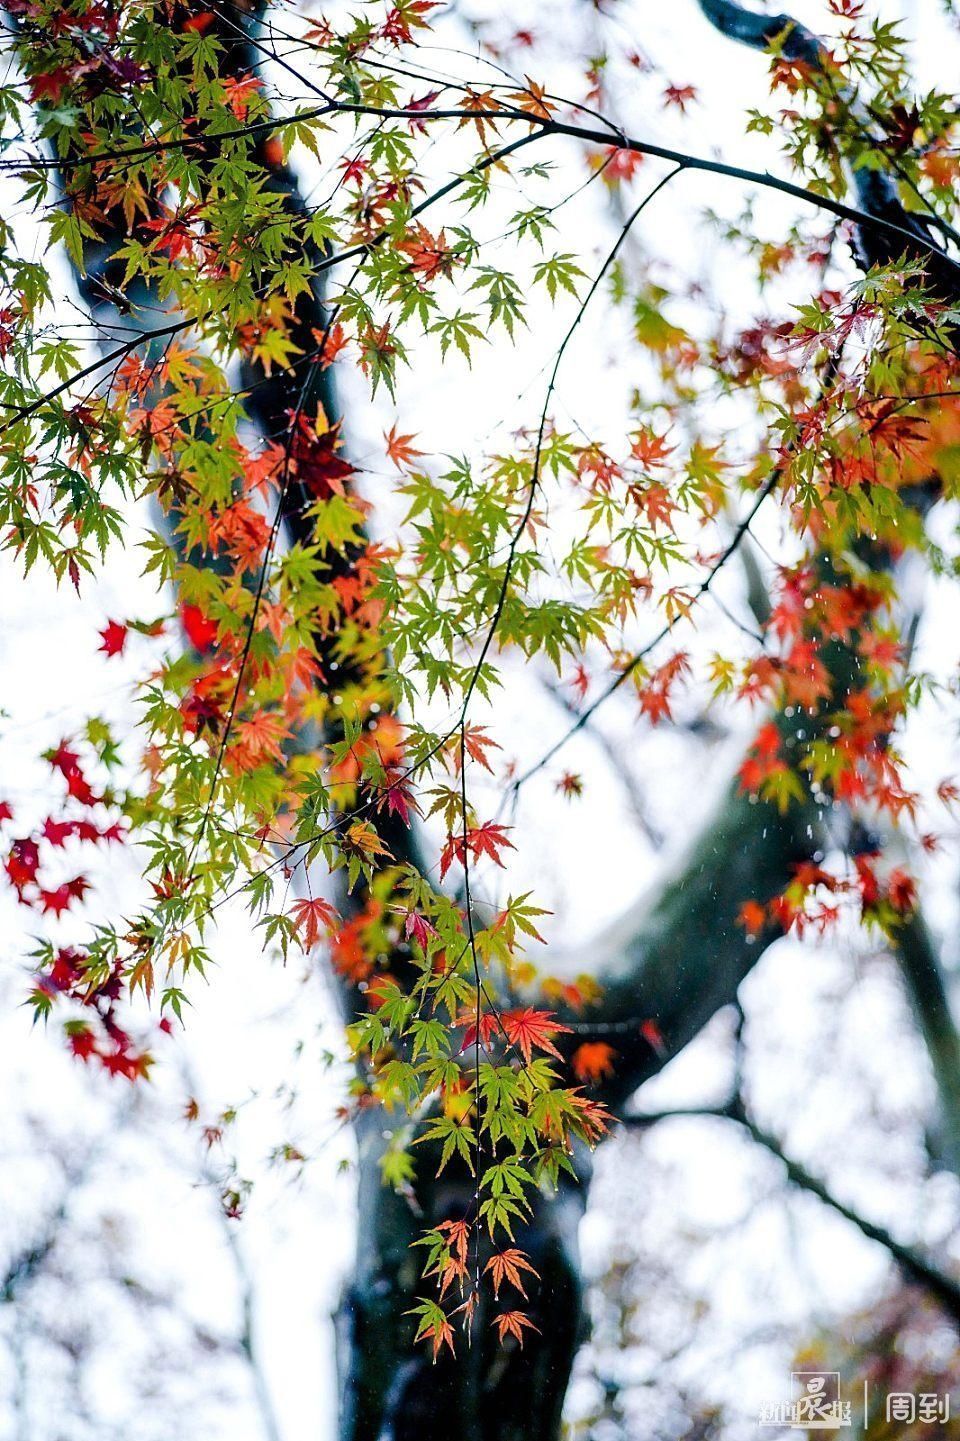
(335, 636)
(86, 818)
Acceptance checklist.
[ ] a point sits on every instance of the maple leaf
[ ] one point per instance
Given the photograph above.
(901, 891)
(63, 759)
(399, 449)
(680, 96)
(620, 164)
(513, 1323)
(593, 1061)
(433, 1326)
(948, 792)
(653, 1036)
(592, 1117)
(113, 637)
(57, 832)
(313, 452)
(429, 255)
(365, 841)
(507, 1266)
(80, 789)
(485, 840)
(56, 901)
(258, 741)
(752, 916)
(489, 1026)
(22, 863)
(476, 743)
(397, 796)
(570, 785)
(82, 1043)
(200, 631)
(452, 1264)
(421, 103)
(331, 341)
(51, 85)
(311, 918)
(489, 840)
(238, 92)
(533, 100)
(418, 928)
(354, 168)
(531, 1028)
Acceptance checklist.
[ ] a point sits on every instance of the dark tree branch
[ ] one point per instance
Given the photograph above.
(916, 1266)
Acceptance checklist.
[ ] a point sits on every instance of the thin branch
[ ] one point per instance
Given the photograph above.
(639, 656)
(540, 127)
(615, 759)
(914, 1264)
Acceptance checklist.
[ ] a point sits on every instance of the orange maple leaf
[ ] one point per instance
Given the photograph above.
(507, 1266)
(476, 743)
(439, 1336)
(429, 255)
(592, 1061)
(533, 100)
(512, 1323)
(238, 93)
(752, 916)
(399, 449)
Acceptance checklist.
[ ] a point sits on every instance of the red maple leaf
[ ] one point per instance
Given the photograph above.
(50, 86)
(476, 743)
(113, 638)
(82, 1043)
(419, 928)
(331, 341)
(56, 901)
(239, 92)
(22, 863)
(489, 840)
(529, 1029)
(63, 759)
(621, 164)
(680, 96)
(79, 787)
(485, 840)
(429, 255)
(423, 102)
(653, 1036)
(312, 918)
(58, 832)
(313, 452)
(353, 169)
(752, 916)
(200, 632)
(489, 1026)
